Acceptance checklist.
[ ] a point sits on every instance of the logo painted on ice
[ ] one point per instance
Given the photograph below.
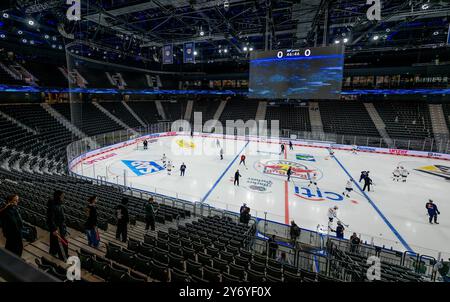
(185, 144)
(280, 168)
(140, 167)
(308, 194)
(305, 157)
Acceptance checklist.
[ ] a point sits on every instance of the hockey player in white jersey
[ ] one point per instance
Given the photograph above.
(354, 149)
(348, 188)
(396, 174)
(313, 180)
(169, 167)
(404, 173)
(164, 159)
(332, 213)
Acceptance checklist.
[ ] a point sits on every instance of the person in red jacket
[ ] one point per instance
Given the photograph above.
(242, 160)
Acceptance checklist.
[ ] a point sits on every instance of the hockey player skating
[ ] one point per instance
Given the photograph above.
(182, 169)
(354, 149)
(396, 174)
(331, 151)
(217, 143)
(432, 211)
(289, 173)
(367, 183)
(282, 149)
(348, 188)
(332, 213)
(237, 175)
(221, 153)
(404, 174)
(291, 146)
(164, 160)
(145, 145)
(364, 174)
(242, 160)
(169, 168)
(313, 180)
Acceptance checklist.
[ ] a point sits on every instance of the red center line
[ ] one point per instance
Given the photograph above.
(286, 199)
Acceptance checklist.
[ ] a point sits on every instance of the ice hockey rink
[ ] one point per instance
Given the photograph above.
(393, 213)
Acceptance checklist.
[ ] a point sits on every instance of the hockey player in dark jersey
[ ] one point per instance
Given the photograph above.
(432, 211)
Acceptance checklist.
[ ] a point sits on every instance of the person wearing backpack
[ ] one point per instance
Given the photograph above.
(91, 223)
(122, 220)
(12, 225)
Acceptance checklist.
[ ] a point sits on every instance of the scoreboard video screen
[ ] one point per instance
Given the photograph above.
(309, 73)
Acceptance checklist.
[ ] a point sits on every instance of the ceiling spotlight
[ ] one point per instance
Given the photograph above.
(5, 15)
(20, 32)
(337, 42)
(195, 53)
(47, 37)
(31, 42)
(226, 4)
(425, 6)
(435, 33)
(202, 33)
(245, 48)
(225, 50)
(31, 22)
(54, 38)
(376, 37)
(59, 47)
(2, 36)
(250, 49)
(24, 40)
(345, 40)
(388, 30)
(220, 50)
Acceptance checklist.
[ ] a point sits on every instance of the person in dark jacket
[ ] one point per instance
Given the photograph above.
(367, 183)
(237, 175)
(91, 222)
(12, 225)
(56, 222)
(289, 173)
(245, 216)
(122, 220)
(294, 232)
(339, 230)
(432, 211)
(182, 169)
(273, 246)
(150, 214)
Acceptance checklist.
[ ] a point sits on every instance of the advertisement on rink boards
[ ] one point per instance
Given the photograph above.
(295, 142)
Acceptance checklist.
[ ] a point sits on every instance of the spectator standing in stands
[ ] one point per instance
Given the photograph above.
(339, 230)
(93, 236)
(122, 220)
(150, 214)
(243, 207)
(12, 225)
(56, 222)
(354, 243)
(245, 216)
(294, 232)
(283, 259)
(182, 169)
(273, 246)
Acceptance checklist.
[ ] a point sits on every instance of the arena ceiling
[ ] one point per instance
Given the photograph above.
(141, 27)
